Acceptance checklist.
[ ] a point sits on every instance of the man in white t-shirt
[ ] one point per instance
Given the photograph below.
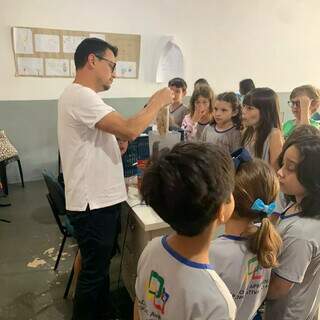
(92, 167)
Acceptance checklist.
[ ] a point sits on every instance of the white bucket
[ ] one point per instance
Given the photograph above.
(158, 142)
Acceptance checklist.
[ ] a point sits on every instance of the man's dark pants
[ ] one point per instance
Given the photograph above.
(96, 232)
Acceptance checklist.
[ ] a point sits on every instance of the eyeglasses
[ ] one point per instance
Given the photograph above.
(111, 63)
(293, 104)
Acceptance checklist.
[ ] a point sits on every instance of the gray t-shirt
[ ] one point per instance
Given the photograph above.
(247, 281)
(299, 263)
(229, 139)
(169, 286)
(177, 115)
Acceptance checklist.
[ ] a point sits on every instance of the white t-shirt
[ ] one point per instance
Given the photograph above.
(299, 263)
(247, 281)
(91, 159)
(169, 286)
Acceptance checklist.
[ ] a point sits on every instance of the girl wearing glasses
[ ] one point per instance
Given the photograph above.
(304, 102)
(262, 136)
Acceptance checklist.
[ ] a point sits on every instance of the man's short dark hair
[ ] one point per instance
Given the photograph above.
(245, 86)
(178, 83)
(91, 45)
(187, 185)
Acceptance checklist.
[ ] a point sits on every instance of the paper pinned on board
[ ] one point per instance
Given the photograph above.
(22, 40)
(30, 66)
(46, 43)
(171, 64)
(57, 67)
(72, 68)
(97, 35)
(126, 69)
(70, 43)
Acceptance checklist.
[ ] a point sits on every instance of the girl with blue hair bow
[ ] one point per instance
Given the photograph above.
(244, 255)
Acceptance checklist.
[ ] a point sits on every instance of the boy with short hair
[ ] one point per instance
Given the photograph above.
(178, 109)
(190, 187)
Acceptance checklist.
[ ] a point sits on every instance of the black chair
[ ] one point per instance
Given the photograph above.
(57, 203)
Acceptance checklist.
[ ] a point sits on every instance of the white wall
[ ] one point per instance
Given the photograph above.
(276, 42)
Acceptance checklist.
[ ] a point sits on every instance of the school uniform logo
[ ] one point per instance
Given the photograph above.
(156, 293)
(254, 271)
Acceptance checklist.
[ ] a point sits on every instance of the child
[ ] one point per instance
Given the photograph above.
(245, 86)
(201, 107)
(295, 283)
(243, 257)
(262, 136)
(201, 82)
(225, 128)
(304, 102)
(303, 129)
(190, 187)
(178, 110)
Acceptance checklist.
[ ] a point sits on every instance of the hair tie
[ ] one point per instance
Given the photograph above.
(240, 156)
(260, 206)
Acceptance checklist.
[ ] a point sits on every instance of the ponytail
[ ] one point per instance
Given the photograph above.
(266, 243)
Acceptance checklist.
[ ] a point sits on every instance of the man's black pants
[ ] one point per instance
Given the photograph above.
(96, 232)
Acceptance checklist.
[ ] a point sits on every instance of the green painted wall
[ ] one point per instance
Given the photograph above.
(32, 128)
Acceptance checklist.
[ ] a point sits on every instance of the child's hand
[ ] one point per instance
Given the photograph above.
(305, 103)
(199, 112)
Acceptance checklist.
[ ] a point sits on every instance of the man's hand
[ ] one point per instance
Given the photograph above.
(163, 97)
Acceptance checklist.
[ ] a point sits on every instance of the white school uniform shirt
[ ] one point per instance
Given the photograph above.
(299, 263)
(91, 159)
(171, 287)
(229, 140)
(247, 281)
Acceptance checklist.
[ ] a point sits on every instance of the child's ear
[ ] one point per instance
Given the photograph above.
(220, 215)
(226, 210)
(184, 92)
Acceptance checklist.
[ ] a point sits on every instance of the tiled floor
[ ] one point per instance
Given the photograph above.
(28, 292)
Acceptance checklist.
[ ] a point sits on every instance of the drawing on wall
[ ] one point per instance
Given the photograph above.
(30, 66)
(46, 43)
(171, 64)
(42, 52)
(22, 40)
(57, 67)
(126, 69)
(70, 43)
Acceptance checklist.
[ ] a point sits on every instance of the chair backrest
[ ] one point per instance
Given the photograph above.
(56, 192)
(57, 202)
(7, 150)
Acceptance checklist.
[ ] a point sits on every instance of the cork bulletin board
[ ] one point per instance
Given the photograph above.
(41, 52)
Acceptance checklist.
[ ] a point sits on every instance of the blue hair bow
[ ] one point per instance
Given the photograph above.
(240, 156)
(259, 205)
